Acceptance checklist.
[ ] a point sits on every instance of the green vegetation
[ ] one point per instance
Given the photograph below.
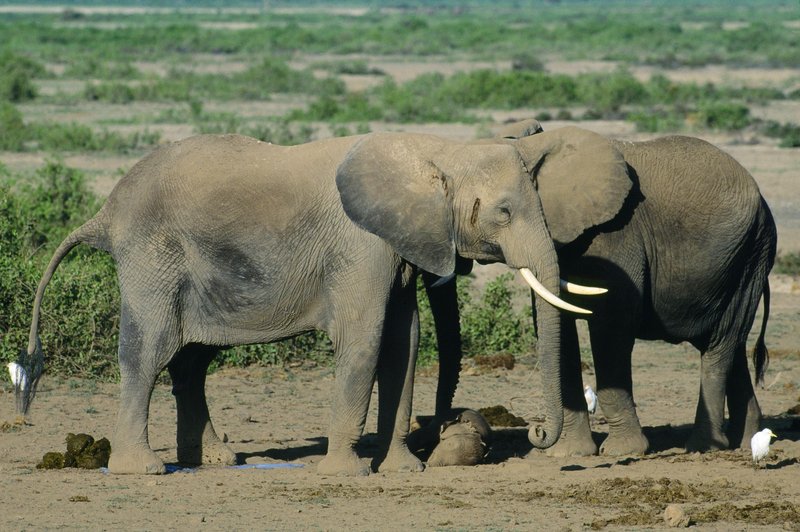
(15, 135)
(16, 77)
(489, 323)
(656, 33)
(787, 263)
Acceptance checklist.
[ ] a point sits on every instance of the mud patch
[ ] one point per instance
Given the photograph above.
(502, 360)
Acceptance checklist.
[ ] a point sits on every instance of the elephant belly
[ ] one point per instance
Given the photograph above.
(236, 298)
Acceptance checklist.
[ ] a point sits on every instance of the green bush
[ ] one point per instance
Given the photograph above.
(79, 319)
(723, 116)
(99, 69)
(657, 120)
(489, 323)
(787, 263)
(789, 134)
(12, 128)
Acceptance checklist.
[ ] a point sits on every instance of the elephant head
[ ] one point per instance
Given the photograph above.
(581, 177)
(432, 200)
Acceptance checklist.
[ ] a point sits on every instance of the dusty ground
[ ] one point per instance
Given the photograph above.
(281, 415)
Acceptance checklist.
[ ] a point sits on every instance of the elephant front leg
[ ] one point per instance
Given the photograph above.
(396, 386)
(576, 435)
(612, 347)
(198, 442)
(356, 346)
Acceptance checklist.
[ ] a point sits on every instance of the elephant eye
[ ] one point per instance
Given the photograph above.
(503, 214)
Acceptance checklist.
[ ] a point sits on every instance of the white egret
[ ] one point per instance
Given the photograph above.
(760, 444)
(591, 398)
(18, 376)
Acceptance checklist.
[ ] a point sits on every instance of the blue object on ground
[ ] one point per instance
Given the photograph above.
(280, 465)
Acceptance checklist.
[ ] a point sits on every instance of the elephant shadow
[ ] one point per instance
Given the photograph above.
(367, 447)
(513, 442)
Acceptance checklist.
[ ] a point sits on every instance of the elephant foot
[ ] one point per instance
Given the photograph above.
(573, 443)
(138, 460)
(703, 440)
(211, 453)
(343, 463)
(624, 444)
(402, 461)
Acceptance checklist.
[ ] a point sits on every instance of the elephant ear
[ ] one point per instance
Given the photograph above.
(582, 179)
(520, 129)
(390, 187)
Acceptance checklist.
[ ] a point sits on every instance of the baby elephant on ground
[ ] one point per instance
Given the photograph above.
(462, 441)
(226, 240)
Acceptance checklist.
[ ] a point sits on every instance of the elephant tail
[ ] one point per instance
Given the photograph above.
(760, 352)
(30, 365)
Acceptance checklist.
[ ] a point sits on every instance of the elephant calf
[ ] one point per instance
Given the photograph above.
(226, 240)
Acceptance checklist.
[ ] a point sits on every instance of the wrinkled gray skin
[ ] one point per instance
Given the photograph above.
(684, 242)
(225, 240)
(462, 441)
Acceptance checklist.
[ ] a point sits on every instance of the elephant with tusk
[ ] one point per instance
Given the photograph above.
(226, 240)
(679, 234)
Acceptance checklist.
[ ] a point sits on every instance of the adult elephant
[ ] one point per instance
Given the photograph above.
(684, 242)
(226, 240)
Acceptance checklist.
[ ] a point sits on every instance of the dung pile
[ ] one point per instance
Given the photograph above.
(499, 416)
(82, 451)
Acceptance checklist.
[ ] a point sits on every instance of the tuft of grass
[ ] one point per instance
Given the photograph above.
(787, 263)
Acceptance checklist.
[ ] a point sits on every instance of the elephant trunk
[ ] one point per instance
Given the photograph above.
(548, 326)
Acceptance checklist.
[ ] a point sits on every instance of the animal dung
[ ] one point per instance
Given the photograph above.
(82, 452)
(463, 441)
(499, 416)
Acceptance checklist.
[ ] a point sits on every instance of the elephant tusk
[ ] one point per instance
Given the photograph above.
(547, 295)
(443, 280)
(573, 288)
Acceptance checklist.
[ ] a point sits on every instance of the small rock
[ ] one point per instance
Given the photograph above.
(675, 517)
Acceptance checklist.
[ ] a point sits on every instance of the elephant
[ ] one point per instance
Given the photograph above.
(463, 440)
(683, 241)
(223, 240)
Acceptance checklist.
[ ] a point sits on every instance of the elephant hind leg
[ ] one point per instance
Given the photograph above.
(745, 414)
(198, 442)
(715, 368)
(144, 350)
(396, 365)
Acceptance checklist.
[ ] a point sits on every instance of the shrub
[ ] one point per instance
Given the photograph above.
(657, 120)
(788, 263)
(788, 133)
(79, 322)
(12, 128)
(606, 93)
(489, 324)
(723, 116)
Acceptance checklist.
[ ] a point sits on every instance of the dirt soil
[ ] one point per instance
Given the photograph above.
(280, 416)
